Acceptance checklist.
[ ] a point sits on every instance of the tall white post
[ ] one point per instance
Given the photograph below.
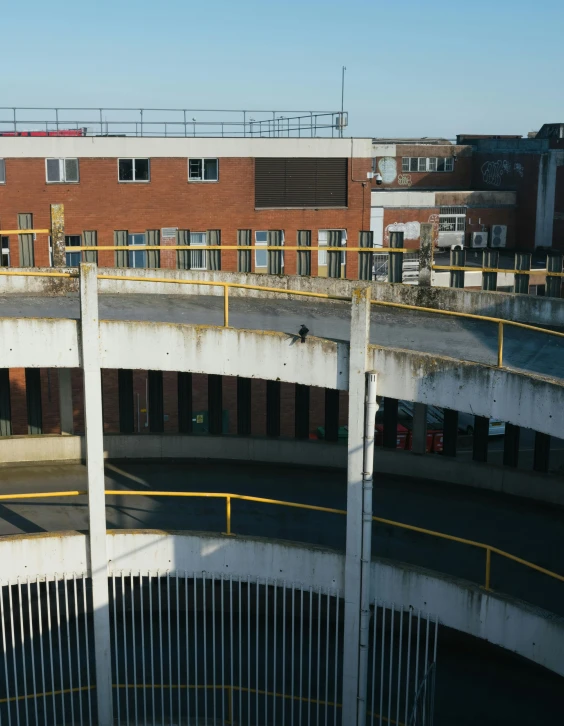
(90, 336)
(359, 338)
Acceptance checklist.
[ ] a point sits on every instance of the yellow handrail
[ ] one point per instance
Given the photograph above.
(228, 496)
(304, 293)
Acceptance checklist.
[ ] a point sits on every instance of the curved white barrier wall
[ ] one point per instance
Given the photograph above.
(523, 399)
(522, 629)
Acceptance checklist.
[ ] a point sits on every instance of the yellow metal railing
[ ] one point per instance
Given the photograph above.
(229, 497)
(500, 322)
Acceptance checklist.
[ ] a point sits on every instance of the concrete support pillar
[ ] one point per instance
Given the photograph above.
(58, 235)
(273, 408)
(419, 433)
(301, 412)
(395, 264)
(457, 259)
(98, 561)
(554, 282)
(522, 262)
(481, 432)
(542, 452)
(65, 401)
(244, 406)
(511, 445)
(425, 255)
(490, 259)
(390, 435)
(450, 432)
(331, 414)
(360, 327)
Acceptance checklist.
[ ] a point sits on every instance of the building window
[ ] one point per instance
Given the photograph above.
(73, 258)
(198, 258)
(2, 171)
(452, 219)
(5, 252)
(61, 171)
(427, 163)
(322, 241)
(133, 170)
(203, 170)
(137, 258)
(261, 256)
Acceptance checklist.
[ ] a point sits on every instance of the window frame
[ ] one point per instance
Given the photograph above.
(131, 253)
(77, 243)
(202, 161)
(265, 244)
(62, 170)
(323, 244)
(452, 216)
(134, 159)
(4, 251)
(413, 164)
(195, 245)
(261, 244)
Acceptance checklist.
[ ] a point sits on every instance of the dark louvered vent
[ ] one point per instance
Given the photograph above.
(300, 183)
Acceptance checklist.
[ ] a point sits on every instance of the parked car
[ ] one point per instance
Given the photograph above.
(466, 425)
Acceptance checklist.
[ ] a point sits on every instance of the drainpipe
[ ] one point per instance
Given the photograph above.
(367, 477)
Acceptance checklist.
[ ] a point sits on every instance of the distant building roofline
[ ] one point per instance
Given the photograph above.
(414, 141)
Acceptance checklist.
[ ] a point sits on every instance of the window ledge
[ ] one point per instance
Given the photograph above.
(313, 209)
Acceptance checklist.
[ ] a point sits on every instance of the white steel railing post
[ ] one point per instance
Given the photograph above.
(98, 562)
(358, 354)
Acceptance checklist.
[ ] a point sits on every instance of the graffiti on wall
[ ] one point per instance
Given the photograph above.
(412, 230)
(388, 168)
(493, 171)
(404, 180)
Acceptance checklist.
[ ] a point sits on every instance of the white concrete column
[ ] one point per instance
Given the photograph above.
(65, 401)
(419, 433)
(96, 498)
(360, 328)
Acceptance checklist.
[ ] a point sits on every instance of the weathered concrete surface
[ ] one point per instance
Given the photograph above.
(529, 632)
(428, 376)
(530, 309)
(443, 335)
(525, 528)
(529, 401)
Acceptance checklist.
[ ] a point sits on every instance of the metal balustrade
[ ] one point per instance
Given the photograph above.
(169, 122)
(229, 530)
(193, 647)
(500, 322)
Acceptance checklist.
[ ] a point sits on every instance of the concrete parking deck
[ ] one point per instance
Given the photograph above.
(466, 339)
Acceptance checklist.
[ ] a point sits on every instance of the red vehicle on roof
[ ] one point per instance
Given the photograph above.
(60, 132)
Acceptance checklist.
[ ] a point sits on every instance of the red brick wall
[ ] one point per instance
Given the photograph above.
(50, 402)
(404, 216)
(459, 178)
(99, 202)
(516, 172)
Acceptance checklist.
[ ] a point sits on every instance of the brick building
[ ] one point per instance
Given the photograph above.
(472, 189)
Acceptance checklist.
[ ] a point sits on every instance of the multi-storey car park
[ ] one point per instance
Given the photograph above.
(208, 518)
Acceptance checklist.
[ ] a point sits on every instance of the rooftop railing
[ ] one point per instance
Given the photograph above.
(169, 122)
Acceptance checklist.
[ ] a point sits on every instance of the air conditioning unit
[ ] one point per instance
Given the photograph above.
(451, 240)
(479, 239)
(498, 237)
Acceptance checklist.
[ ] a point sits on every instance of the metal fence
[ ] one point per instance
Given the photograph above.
(177, 122)
(194, 648)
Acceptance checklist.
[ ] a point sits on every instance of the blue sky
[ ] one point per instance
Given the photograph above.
(413, 67)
